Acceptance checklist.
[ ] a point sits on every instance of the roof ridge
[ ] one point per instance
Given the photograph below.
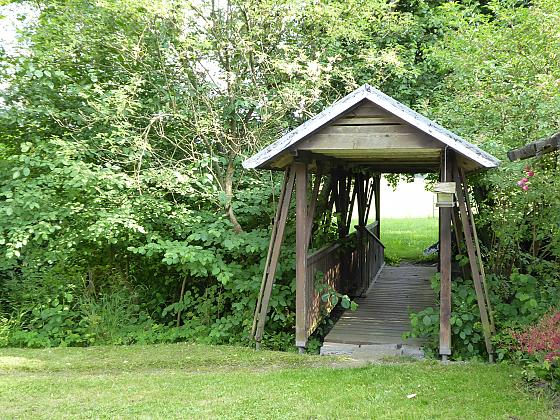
(384, 101)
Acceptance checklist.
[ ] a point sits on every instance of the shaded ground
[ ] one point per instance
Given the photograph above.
(182, 380)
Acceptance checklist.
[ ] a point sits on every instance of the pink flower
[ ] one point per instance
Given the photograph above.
(530, 173)
(525, 187)
(525, 180)
(520, 183)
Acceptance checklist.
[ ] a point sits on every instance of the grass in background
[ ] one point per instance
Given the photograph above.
(405, 239)
(195, 381)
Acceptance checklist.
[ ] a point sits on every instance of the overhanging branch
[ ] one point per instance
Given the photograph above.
(536, 148)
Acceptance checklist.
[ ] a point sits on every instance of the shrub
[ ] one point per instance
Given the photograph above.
(540, 344)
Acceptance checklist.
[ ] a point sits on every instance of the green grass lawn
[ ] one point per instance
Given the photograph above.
(194, 381)
(405, 239)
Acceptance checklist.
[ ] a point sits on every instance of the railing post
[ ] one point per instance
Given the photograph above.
(301, 254)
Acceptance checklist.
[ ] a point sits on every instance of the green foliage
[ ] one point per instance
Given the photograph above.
(498, 65)
(500, 91)
(521, 303)
(330, 295)
(539, 369)
(123, 128)
(125, 216)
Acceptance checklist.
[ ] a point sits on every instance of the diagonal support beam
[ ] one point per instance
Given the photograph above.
(478, 253)
(471, 251)
(311, 209)
(273, 255)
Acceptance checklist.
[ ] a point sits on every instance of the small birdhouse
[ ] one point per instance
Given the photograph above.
(445, 192)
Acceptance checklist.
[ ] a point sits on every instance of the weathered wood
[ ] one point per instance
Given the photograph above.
(400, 168)
(478, 253)
(382, 315)
(313, 203)
(351, 104)
(281, 198)
(445, 263)
(301, 253)
(456, 222)
(364, 121)
(368, 109)
(467, 229)
(371, 121)
(536, 148)
(273, 256)
(369, 129)
(360, 283)
(328, 262)
(376, 160)
(283, 161)
(371, 141)
(351, 192)
(377, 193)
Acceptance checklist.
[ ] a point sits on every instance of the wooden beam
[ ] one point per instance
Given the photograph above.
(313, 203)
(446, 174)
(456, 222)
(368, 109)
(269, 253)
(273, 256)
(358, 121)
(282, 161)
(536, 148)
(367, 141)
(351, 186)
(478, 253)
(467, 230)
(370, 191)
(378, 206)
(360, 192)
(301, 254)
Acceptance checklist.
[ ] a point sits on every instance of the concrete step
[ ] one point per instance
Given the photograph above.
(371, 352)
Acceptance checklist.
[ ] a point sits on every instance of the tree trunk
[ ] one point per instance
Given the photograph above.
(228, 187)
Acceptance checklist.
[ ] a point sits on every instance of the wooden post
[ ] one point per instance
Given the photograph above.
(359, 189)
(467, 230)
(273, 256)
(301, 254)
(378, 206)
(445, 264)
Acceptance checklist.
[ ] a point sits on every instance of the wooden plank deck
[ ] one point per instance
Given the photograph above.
(382, 316)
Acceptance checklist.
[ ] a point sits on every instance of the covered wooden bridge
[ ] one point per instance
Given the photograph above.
(335, 161)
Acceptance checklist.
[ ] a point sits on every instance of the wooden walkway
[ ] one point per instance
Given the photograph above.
(382, 316)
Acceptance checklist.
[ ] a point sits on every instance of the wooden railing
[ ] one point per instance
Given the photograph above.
(372, 258)
(324, 270)
(347, 268)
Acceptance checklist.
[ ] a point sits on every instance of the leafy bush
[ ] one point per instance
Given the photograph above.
(516, 303)
(540, 345)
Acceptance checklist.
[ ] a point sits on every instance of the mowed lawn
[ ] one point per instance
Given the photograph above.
(194, 381)
(405, 239)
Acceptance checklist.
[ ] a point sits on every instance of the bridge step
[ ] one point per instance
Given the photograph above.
(371, 352)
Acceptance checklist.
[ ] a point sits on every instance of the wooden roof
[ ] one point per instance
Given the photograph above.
(370, 128)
